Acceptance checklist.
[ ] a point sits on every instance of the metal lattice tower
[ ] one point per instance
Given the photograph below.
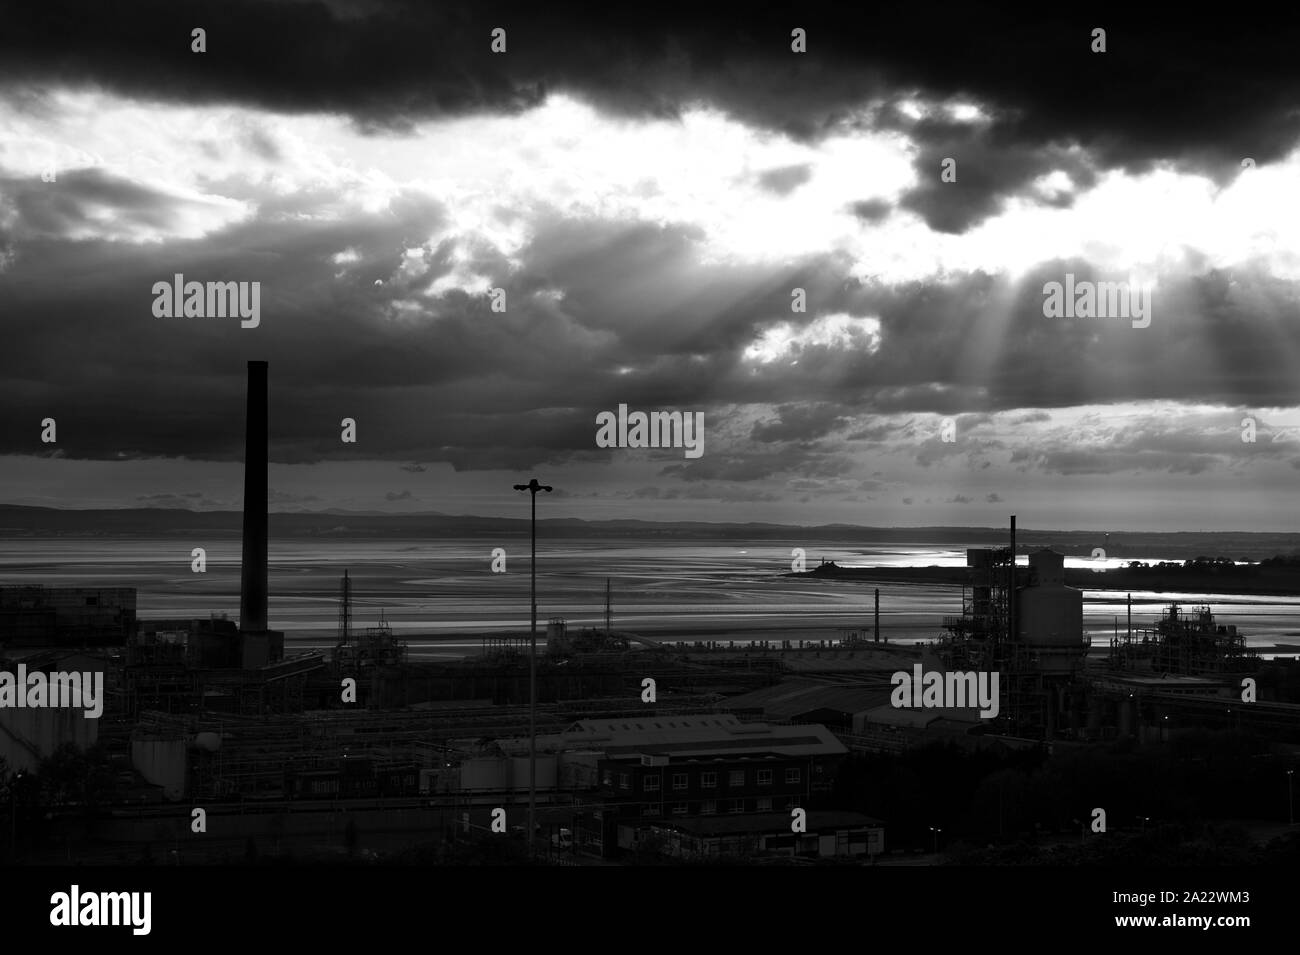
(345, 610)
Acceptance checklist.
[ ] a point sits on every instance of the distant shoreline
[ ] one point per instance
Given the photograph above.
(19, 522)
(1263, 581)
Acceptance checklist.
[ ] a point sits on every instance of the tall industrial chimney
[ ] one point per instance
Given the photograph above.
(1011, 597)
(253, 586)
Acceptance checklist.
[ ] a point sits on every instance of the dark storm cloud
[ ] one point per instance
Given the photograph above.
(146, 386)
(800, 423)
(83, 198)
(875, 433)
(981, 343)
(933, 449)
(1200, 90)
(987, 173)
(600, 313)
(1175, 444)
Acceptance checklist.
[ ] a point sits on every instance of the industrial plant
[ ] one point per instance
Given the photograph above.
(293, 747)
(1025, 623)
(212, 712)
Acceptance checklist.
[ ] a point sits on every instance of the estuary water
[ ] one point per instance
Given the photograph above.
(442, 595)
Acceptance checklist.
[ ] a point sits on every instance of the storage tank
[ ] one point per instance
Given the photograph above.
(1049, 618)
(161, 762)
(1051, 614)
(1047, 567)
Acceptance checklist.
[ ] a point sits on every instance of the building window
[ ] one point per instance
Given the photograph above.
(650, 783)
(737, 805)
(649, 809)
(709, 780)
(736, 778)
(792, 775)
(679, 780)
(709, 807)
(765, 804)
(765, 777)
(624, 780)
(680, 809)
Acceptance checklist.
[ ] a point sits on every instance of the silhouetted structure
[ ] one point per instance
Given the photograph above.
(1027, 625)
(36, 616)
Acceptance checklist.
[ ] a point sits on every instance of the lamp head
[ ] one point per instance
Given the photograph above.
(533, 486)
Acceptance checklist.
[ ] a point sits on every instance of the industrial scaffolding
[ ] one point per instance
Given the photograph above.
(376, 646)
(1185, 644)
(982, 639)
(166, 682)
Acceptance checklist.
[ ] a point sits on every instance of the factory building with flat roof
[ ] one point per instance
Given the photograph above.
(36, 616)
(651, 769)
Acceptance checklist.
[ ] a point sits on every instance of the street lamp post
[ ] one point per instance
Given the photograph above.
(533, 487)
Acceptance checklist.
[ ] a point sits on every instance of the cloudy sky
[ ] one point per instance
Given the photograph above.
(648, 190)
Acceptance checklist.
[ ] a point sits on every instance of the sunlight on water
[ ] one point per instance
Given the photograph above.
(441, 590)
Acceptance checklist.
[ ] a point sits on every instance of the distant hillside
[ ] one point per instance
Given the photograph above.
(18, 521)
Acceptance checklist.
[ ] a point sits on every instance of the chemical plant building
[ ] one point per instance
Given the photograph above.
(1025, 623)
(37, 617)
(642, 773)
